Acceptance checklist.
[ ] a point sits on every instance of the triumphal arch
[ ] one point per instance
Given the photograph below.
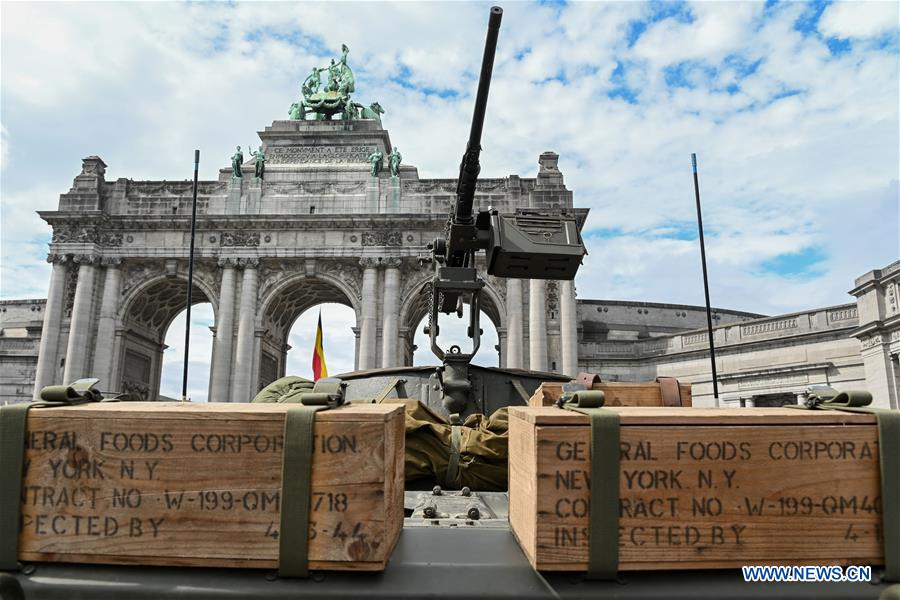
(324, 211)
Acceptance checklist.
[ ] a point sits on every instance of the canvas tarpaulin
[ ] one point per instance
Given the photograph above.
(481, 442)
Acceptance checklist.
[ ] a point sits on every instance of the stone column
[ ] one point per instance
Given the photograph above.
(106, 326)
(404, 345)
(880, 376)
(77, 350)
(568, 325)
(49, 346)
(515, 343)
(394, 195)
(368, 325)
(223, 344)
(233, 200)
(390, 331)
(242, 377)
(373, 194)
(537, 325)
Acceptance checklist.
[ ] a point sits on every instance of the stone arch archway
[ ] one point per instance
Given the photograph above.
(147, 311)
(281, 305)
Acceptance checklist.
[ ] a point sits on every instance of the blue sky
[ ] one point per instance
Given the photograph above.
(791, 107)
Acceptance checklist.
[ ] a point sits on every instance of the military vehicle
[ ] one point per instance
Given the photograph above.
(456, 543)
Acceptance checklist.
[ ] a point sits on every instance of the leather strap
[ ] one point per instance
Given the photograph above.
(888, 421)
(603, 531)
(670, 390)
(588, 380)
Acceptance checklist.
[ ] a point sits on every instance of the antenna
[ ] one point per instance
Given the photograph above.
(190, 287)
(712, 346)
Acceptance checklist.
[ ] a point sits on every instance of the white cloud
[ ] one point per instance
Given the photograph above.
(860, 19)
(794, 153)
(4, 146)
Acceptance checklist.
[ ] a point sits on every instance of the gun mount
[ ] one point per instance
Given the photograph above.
(528, 244)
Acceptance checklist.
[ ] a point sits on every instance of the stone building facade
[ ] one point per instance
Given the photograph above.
(320, 228)
(760, 361)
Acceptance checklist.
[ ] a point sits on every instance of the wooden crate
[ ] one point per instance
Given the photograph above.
(617, 394)
(199, 485)
(701, 488)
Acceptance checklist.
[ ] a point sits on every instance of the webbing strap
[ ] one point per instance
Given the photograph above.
(391, 384)
(517, 385)
(603, 530)
(13, 425)
(12, 447)
(888, 459)
(296, 473)
(452, 479)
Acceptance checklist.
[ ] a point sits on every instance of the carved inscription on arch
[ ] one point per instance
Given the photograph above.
(318, 154)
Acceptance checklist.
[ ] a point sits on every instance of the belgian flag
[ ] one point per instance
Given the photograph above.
(318, 359)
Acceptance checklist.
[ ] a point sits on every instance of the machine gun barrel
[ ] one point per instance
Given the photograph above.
(470, 166)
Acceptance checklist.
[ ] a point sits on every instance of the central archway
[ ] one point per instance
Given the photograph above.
(283, 306)
(338, 340)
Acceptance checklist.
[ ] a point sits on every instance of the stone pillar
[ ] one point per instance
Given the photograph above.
(223, 344)
(537, 325)
(106, 326)
(49, 346)
(404, 345)
(877, 304)
(881, 380)
(373, 194)
(368, 325)
(77, 350)
(515, 342)
(568, 325)
(233, 201)
(252, 199)
(390, 325)
(394, 195)
(243, 363)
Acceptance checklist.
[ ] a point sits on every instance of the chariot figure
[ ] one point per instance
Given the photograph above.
(333, 77)
(312, 83)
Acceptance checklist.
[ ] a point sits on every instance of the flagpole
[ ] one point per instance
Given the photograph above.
(709, 329)
(190, 286)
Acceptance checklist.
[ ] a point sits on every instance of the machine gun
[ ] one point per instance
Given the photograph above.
(528, 244)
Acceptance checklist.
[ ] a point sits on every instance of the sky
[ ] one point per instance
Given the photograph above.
(791, 107)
